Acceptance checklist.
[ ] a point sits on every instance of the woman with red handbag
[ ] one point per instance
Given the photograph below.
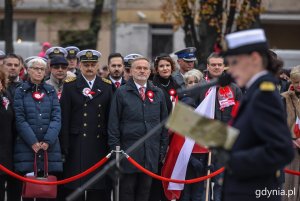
(38, 122)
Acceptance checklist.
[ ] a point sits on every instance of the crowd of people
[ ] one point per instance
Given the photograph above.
(64, 103)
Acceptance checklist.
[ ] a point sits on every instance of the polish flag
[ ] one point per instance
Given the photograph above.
(297, 128)
(180, 150)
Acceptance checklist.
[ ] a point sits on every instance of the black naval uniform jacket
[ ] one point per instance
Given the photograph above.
(131, 118)
(84, 127)
(263, 146)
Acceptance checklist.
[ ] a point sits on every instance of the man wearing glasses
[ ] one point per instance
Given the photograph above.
(59, 74)
(186, 61)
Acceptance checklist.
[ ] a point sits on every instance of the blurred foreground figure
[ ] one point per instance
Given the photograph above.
(264, 146)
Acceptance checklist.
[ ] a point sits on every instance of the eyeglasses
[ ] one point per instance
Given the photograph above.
(63, 67)
(38, 69)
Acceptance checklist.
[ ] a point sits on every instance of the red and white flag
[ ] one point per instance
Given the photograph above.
(297, 127)
(180, 150)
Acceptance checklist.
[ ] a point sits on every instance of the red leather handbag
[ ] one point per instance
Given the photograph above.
(31, 190)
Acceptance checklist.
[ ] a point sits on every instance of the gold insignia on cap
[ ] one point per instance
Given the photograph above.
(56, 51)
(89, 54)
(106, 80)
(267, 86)
(72, 51)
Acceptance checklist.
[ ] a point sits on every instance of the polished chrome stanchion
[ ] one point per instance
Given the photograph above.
(117, 186)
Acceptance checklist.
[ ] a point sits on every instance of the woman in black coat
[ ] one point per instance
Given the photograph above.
(164, 67)
(6, 134)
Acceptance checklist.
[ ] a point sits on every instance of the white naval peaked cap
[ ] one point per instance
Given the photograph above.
(246, 41)
(56, 51)
(88, 55)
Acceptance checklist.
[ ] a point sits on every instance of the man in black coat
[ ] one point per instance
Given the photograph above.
(137, 107)
(85, 106)
(116, 70)
(12, 65)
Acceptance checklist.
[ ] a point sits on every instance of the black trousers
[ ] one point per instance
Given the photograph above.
(157, 191)
(13, 188)
(135, 187)
(91, 195)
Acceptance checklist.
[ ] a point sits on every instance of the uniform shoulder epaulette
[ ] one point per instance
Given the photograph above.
(267, 86)
(70, 79)
(106, 80)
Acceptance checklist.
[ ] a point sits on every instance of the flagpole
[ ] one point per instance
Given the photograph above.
(208, 180)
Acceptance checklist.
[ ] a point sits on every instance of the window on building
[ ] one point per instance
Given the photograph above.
(25, 30)
(162, 39)
(22, 29)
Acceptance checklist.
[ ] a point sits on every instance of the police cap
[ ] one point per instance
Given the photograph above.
(187, 54)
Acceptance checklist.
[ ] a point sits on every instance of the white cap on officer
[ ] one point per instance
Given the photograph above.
(56, 51)
(128, 59)
(187, 54)
(246, 41)
(88, 55)
(72, 52)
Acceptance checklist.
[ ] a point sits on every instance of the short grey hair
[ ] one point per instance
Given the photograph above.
(141, 58)
(39, 61)
(192, 73)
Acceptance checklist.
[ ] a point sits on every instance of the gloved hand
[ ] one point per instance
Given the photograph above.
(197, 163)
(221, 155)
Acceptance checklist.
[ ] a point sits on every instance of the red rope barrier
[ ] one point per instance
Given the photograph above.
(64, 181)
(292, 172)
(190, 181)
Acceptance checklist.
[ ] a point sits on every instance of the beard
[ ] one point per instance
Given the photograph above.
(12, 78)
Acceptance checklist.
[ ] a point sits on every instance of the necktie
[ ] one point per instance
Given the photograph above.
(90, 83)
(142, 93)
(117, 84)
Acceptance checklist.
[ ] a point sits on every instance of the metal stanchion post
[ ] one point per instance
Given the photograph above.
(117, 185)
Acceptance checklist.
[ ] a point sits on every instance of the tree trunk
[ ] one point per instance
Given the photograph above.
(84, 39)
(8, 24)
(95, 25)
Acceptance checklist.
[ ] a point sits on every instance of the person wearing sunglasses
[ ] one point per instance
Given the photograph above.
(59, 73)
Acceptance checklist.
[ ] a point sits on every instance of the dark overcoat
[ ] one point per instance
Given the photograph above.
(263, 147)
(84, 127)
(7, 132)
(132, 118)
